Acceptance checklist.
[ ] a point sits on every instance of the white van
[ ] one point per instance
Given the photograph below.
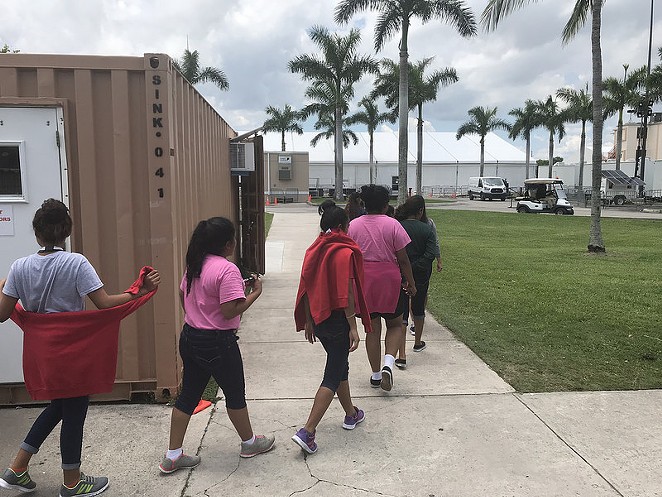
(486, 187)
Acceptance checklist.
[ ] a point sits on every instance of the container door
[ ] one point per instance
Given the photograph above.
(30, 172)
(252, 214)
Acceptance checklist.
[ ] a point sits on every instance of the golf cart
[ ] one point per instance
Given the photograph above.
(544, 195)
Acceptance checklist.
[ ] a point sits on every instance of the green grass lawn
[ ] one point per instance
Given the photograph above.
(523, 293)
(268, 219)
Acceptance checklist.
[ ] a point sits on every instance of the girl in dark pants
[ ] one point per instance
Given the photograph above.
(54, 280)
(325, 310)
(213, 296)
(422, 250)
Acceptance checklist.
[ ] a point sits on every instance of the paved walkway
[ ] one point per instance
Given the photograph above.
(450, 427)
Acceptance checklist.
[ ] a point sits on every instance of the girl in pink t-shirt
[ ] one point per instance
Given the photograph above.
(382, 240)
(213, 297)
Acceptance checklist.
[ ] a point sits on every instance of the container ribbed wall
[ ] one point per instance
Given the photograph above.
(148, 158)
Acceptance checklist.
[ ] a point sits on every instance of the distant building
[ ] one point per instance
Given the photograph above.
(631, 139)
(447, 163)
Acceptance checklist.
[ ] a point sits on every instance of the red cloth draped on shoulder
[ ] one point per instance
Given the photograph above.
(71, 354)
(328, 265)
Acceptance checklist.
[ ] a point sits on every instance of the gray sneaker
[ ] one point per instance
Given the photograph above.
(262, 444)
(168, 466)
(21, 482)
(87, 486)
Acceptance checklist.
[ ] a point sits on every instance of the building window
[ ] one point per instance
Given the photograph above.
(10, 171)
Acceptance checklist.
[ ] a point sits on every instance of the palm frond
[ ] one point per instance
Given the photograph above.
(577, 20)
(213, 75)
(496, 10)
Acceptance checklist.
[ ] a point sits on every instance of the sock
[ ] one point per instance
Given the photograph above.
(377, 376)
(174, 453)
(18, 472)
(389, 361)
(249, 441)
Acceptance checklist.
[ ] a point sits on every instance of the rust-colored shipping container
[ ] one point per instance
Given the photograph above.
(142, 157)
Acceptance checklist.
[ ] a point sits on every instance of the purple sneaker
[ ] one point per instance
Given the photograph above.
(350, 422)
(305, 440)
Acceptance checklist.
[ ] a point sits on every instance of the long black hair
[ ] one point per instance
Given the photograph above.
(333, 217)
(209, 237)
(52, 223)
(410, 208)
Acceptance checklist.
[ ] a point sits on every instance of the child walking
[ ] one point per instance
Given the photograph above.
(332, 270)
(54, 281)
(213, 298)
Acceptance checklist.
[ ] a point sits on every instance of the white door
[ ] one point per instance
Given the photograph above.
(32, 169)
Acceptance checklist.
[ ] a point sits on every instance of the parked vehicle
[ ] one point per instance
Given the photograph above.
(544, 195)
(487, 188)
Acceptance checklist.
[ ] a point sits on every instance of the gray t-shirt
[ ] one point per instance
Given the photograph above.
(56, 282)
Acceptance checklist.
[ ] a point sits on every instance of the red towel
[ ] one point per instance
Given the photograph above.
(71, 354)
(327, 267)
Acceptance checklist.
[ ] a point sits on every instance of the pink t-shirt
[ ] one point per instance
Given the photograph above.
(379, 237)
(220, 281)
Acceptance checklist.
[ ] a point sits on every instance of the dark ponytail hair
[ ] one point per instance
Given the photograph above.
(52, 223)
(209, 237)
(333, 217)
(411, 207)
(327, 204)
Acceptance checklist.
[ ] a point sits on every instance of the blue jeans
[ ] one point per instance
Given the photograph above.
(207, 353)
(72, 412)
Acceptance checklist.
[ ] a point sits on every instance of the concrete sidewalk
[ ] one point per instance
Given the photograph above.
(450, 426)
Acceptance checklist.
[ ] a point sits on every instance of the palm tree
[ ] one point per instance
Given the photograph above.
(282, 121)
(526, 120)
(395, 16)
(553, 119)
(327, 126)
(498, 9)
(482, 120)
(617, 95)
(422, 89)
(655, 81)
(334, 75)
(580, 109)
(372, 118)
(189, 66)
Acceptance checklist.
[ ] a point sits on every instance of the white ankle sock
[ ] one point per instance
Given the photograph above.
(174, 453)
(389, 361)
(377, 376)
(249, 441)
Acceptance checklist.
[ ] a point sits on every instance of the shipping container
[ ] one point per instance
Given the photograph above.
(139, 156)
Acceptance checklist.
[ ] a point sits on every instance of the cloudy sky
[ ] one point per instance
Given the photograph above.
(253, 40)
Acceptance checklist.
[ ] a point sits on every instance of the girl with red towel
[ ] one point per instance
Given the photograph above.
(330, 286)
(52, 285)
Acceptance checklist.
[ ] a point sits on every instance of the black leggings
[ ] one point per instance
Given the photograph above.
(207, 353)
(72, 413)
(333, 333)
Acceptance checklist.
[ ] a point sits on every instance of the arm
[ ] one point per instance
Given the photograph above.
(431, 252)
(436, 241)
(308, 330)
(234, 308)
(104, 301)
(7, 303)
(405, 268)
(350, 315)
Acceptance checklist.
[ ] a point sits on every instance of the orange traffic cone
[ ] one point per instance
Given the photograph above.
(268, 203)
(275, 200)
(310, 198)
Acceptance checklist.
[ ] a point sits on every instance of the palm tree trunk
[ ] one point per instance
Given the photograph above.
(528, 156)
(338, 155)
(595, 242)
(619, 139)
(551, 153)
(419, 151)
(482, 156)
(403, 112)
(373, 169)
(282, 138)
(582, 154)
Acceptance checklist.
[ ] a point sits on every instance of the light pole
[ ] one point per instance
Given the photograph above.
(647, 104)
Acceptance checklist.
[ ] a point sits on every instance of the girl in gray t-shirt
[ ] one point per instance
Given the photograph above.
(49, 281)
